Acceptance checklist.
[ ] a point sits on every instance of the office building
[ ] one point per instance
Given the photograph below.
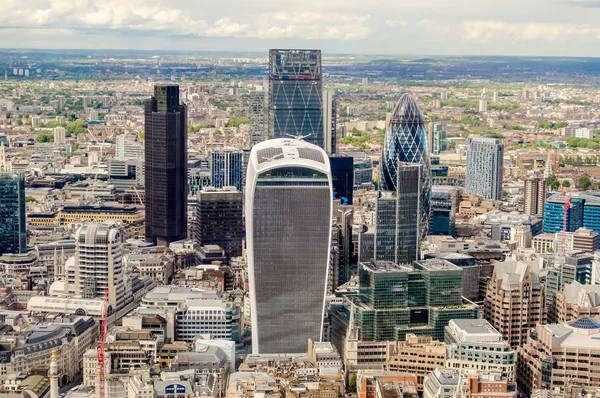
(560, 353)
(583, 212)
(583, 240)
(59, 135)
(385, 226)
(444, 206)
(535, 192)
(329, 121)
(514, 301)
(445, 383)
(406, 141)
(259, 120)
(126, 173)
(288, 231)
(373, 383)
(342, 177)
(129, 148)
(474, 344)
(439, 139)
(13, 233)
(296, 95)
(485, 163)
(575, 301)
(99, 265)
(219, 219)
(227, 168)
(165, 126)
(562, 269)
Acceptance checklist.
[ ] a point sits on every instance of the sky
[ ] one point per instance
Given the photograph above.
(403, 27)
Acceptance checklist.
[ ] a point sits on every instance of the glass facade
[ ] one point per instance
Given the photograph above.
(385, 227)
(443, 211)
(227, 168)
(166, 178)
(408, 196)
(259, 125)
(406, 141)
(13, 234)
(485, 167)
(296, 95)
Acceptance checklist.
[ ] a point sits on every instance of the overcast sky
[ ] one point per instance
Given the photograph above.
(469, 27)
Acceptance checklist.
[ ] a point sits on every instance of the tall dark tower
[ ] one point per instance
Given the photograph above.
(166, 166)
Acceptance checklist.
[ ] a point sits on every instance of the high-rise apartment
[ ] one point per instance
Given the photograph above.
(485, 162)
(219, 219)
(165, 127)
(227, 168)
(59, 135)
(259, 123)
(536, 191)
(514, 301)
(13, 233)
(296, 95)
(288, 226)
(99, 264)
(406, 141)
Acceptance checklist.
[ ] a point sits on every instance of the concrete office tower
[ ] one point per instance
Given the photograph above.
(296, 95)
(129, 148)
(288, 231)
(406, 141)
(536, 191)
(485, 162)
(99, 264)
(227, 168)
(329, 121)
(166, 166)
(13, 233)
(397, 228)
(219, 219)
(514, 301)
(259, 122)
(59, 135)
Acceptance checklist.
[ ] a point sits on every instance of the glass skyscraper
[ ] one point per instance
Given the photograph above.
(296, 95)
(227, 168)
(165, 125)
(485, 167)
(406, 141)
(259, 125)
(288, 231)
(13, 235)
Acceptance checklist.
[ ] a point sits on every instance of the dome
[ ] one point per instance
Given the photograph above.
(584, 323)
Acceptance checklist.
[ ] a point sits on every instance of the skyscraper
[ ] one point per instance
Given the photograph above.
(397, 222)
(406, 141)
(219, 219)
(485, 162)
(13, 234)
(329, 121)
(536, 191)
(259, 126)
(227, 168)
(166, 166)
(288, 226)
(342, 177)
(295, 95)
(99, 264)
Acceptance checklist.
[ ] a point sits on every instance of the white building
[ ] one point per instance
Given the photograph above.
(59, 135)
(129, 148)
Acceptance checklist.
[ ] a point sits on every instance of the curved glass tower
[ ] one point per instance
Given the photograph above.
(406, 141)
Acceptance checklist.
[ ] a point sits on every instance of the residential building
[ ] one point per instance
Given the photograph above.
(485, 167)
(219, 219)
(296, 95)
(514, 301)
(59, 135)
(535, 194)
(165, 127)
(406, 141)
(288, 200)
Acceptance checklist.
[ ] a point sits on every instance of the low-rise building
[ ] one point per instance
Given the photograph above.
(367, 380)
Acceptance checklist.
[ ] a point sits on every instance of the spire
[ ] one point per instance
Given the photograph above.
(53, 375)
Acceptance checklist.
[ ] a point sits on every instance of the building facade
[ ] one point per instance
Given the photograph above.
(288, 231)
(485, 167)
(259, 120)
(165, 127)
(535, 192)
(227, 168)
(13, 233)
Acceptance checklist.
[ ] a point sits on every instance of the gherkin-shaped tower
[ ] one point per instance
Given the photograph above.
(406, 141)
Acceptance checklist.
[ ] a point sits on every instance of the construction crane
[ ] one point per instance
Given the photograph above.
(101, 345)
(565, 214)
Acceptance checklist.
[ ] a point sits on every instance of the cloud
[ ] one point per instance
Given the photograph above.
(486, 31)
(583, 3)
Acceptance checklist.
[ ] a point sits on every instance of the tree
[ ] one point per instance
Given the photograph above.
(553, 182)
(44, 137)
(352, 384)
(566, 184)
(76, 128)
(584, 182)
(30, 199)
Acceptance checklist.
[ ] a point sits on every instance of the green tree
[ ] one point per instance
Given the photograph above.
(553, 182)
(566, 184)
(236, 121)
(76, 128)
(352, 384)
(584, 182)
(42, 137)
(30, 199)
